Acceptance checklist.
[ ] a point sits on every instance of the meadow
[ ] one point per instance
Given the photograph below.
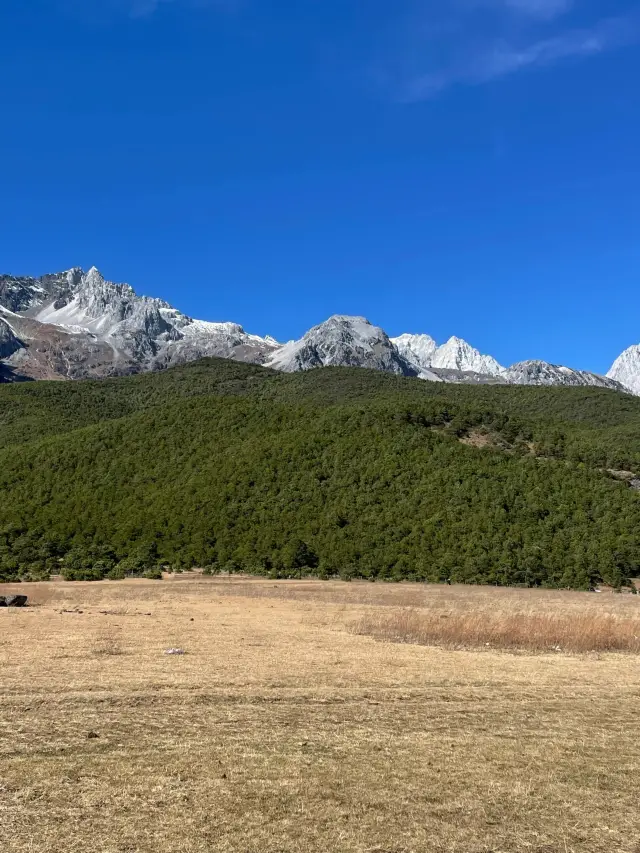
(311, 716)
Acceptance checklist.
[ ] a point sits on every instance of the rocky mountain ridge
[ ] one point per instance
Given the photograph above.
(76, 325)
(73, 325)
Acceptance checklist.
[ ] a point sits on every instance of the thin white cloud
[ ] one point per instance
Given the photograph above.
(500, 57)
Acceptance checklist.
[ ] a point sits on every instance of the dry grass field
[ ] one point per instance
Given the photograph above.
(318, 717)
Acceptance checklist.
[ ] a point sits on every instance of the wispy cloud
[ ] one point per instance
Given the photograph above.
(504, 53)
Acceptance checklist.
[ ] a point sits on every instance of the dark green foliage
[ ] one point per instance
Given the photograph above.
(338, 471)
(153, 574)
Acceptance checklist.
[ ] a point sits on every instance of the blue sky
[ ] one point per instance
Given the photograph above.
(466, 167)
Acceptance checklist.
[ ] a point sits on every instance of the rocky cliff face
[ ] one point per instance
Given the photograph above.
(21, 294)
(10, 343)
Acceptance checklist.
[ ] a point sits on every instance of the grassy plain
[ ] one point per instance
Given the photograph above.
(287, 727)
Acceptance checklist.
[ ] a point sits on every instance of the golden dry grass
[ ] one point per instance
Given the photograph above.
(283, 731)
(527, 630)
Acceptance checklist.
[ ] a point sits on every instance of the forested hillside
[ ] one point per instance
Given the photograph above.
(336, 471)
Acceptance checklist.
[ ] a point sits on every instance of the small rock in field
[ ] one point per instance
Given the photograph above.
(13, 601)
(92, 735)
(175, 652)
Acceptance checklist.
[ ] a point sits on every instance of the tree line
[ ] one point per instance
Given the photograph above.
(336, 473)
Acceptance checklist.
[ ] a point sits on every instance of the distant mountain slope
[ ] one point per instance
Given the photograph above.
(331, 471)
(76, 325)
(543, 373)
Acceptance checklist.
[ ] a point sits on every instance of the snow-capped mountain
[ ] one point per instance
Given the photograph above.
(626, 369)
(74, 324)
(455, 354)
(418, 349)
(344, 341)
(543, 373)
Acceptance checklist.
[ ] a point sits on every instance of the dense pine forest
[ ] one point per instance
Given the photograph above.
(335, 472)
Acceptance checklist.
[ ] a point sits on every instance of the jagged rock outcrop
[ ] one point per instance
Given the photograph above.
(9, 341)
(23, 293)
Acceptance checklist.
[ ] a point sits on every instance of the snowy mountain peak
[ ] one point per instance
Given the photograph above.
(418, 349)
(342, 341)
(626, 369)
(423, 352)
(357, 328)
(457, 354)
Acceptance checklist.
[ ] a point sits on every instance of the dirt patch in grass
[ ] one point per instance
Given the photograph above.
(477, 438)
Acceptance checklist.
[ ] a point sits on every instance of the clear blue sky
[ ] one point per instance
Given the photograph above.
(466, 167)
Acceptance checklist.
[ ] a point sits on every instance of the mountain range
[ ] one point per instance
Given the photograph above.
(75, 324)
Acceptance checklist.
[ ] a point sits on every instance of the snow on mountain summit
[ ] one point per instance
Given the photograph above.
(76, 324)
(342, 341)
(456, 354)
(418, 349)
(626, 369)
